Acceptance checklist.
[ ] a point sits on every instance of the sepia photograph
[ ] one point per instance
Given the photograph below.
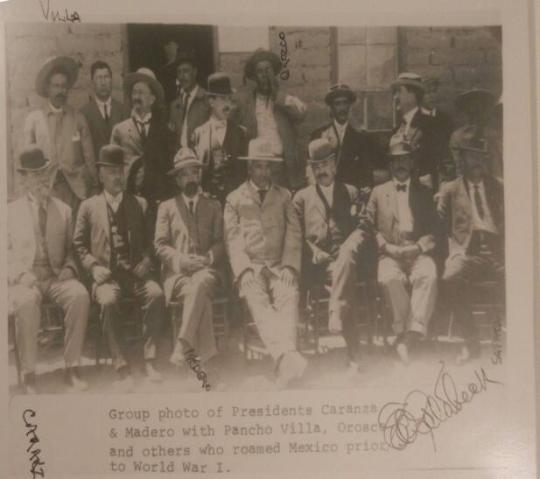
(196, 207)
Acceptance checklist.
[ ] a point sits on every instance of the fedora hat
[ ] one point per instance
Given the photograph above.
(32, 159)
(339, 90)
(63, 64)
(320, 150)
(258, 56)
(184, 157)
(147, 76)
(219, 84)
(261, 149)
(409, 79)
(111, 155)
(478, 99)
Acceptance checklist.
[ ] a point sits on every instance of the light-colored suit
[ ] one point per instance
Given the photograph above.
(411, 313)
(65, 139)
(126, 135)
(24, 301)
(265, 238)
(179, 234)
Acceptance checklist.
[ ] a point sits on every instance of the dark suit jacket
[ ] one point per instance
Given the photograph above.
(100, 130)
(167, 77)
(179, 234)
(234, 145)
(91, 238)
(357, 156)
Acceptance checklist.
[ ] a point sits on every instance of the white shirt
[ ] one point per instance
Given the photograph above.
(427, 112)
(191, 96)
(340, 130)
(219, 128)
(113, 201)
(54, 109)
(406, 221)
(144, 119)
(486, 223)
(266, 122)
(328, 192)
(193, 199)
(101, 106)
(407, 118)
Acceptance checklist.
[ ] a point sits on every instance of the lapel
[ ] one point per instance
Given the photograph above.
(318, 203)
(102, 215)
(254, 195)
(102, 125)
(26, 212)
(347, 140)
(252, 120)
(53, 221)
(117, 113)
(133, 133)
(391, 200)
(229, 139)
(465, 196)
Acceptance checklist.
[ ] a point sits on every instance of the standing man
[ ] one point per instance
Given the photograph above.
(40, 265)
(472, 207)
(402, 215)
(267, 111)
(327, 212)
(146, 141)
(356, 153)
(417, 129)
(477, 106)
(103, 111)
(191, 108)
(264, 242)
(113, 242)
(167, 73)
(219, 142)
(62, 134)
(189, 244)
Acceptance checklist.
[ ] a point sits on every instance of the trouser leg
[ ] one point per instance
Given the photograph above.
(423, 278)
(73, 298)
(394, 284)
(26, 305)
(153, 316)
(286, 299)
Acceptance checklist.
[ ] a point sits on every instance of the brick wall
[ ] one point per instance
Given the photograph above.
(28, 45)
(462, 58)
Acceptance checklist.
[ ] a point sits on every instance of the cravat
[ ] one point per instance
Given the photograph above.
(478, 201)
(401, 187)
(106, 113)
(42, 217)
(262, 195)
(191, 204)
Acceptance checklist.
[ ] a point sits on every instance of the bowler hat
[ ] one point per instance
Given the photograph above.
(32, 159)
(62, 64)
(219, 84)
(111, 155)
(147, 76)
(258, 56)
(184, 157)
(339, 90)
(477, 99)
(320, 150)
(261, 149)
(409, 79)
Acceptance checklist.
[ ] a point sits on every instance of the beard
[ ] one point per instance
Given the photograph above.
(191, 188)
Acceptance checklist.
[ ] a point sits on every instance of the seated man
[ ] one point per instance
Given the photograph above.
(40, 265)
(113, 242)
(472, 206)
(189, 243)
(327, 212)
(402, 214)
(264, 240)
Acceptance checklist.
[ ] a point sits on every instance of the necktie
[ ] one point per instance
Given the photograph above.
(185, 103)
(105, 113)
(141, 126)
(401, 187)
(191, 205)
(42, 217)
(478, 201)
(262, 195)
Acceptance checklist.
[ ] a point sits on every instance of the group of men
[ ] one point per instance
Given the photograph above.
(169, 201)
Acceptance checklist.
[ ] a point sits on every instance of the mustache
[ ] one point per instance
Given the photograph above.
(322, 175)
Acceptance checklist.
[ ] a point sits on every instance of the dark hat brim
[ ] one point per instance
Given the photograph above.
(332, 95)
(136, 77)
(67, 64)
(21, 169)
(259, 56)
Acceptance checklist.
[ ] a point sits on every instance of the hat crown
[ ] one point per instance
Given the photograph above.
(320, 149)
(33, 158)
(219, 83)
(261, 147)
(111, 155)
(146, 71)
(184, 157)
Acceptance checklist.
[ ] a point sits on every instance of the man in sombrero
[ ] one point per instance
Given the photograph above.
(62, 133)
(266, 110)
(147, 142)
(264, 242)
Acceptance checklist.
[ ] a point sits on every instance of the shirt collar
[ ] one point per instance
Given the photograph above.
(195, 198)
(146, 118)
(32, 198)
(107, 102)
(217, 123)
(256, 188)
(192, 93)
(407, 182)
(480, 184)
(340, 127)
(53, 109)
(112, 200)
(329, 188)
(407, 117)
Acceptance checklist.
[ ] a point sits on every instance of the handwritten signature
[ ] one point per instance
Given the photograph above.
(195, 366)
(36, 464)
(421, 413)
(56, 15)
(284, 74)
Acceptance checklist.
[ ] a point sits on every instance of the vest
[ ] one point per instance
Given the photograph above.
(119, 238)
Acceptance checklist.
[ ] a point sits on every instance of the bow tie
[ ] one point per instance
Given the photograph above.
(401, 187)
